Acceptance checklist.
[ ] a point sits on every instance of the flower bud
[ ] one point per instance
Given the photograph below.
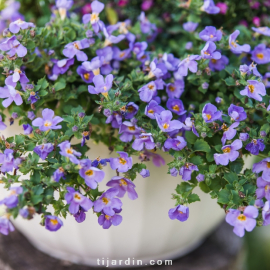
(75, 128)
(81, 115)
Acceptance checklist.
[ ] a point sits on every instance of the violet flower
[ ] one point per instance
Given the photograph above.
(230, 153)
(107, 221)
(255, 146)
(180, 212)
(165, 123)
(210, 113)
(189, 125)
(149, 91)
(128, 130)
(44, 150)
(74, 48)
(80, 215)
(262, 30)
(153, 108)
(123, 185)
(121, 164)
(93, 65)
(210, 33)
(234, 46)
(3, 126)
(77, 200)
(13, 46)
(145, 173)
(176, 106)
(105, 56)
(67, 151)
(86, 75)
(131, 110)
(237, 113)
(266, 213)
(242, 221)
(254, 89)
(48, 121)
(261, 54)
(115, 119)
(209, 51)
(63, 6)
(6, 225)
(18, 75)
(243, 136)
(210, 7)
(15, 26)
(8, 162)
(12, 200)
(200, 177)
(264, 167)
(186, 171)
(188, 63)
(190, 26)
(62, 66)
(101, 86)
(219, 64)
(157, 159)
(175, 90)
(229, 132)
(53, 223)
(58, 174)
(11, 94)
(263, 190)
(145, 140)
(176, 144)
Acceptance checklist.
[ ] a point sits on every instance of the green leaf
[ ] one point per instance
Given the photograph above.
(236, 198)
(237, 166)
(111, 15)
(36, 199)
(197, 160)
(35, 177)
(37, 190)
(43, 93)
(59, 86)
(193, 198)
(202, 146)
(204, 187)
(43, 83)
(183, 188)
(224, 196)
(230, 177)
(230, 81)
(210, 155)
(68, 118)
(190, 137)
(19, 139)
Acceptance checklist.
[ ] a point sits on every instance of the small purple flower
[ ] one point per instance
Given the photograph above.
(131, 110)
(139, 49)
(237, 113)
(13, 46)
(187, 170)
(77, 200)
(120, 55)
(93, 18)
(18, 75)
(24, 212)
(74, 48)
(123, 185)
(180, 212)
(44, 150)
(210, 113)
(31, 115)
(200, 177)
(145, 173)
(107, 203)
(188, 63)
(58, 174)
(53, 223)
(145, 140)
(190, 26)
(12, 200)
(220, 64)
(263, 166)
(62, 66)
(3, 126)
(176, 144)
(86, 75)
(175, 90)
(33, 97)
(105, 56)
(255, 146)
(107, 221)
(236, 48)
(218, 100)
(262, 30)
(121, 164)
(149, 91)
(80, 215)
(109, 38)
(189, 125)
(209, 51)
(115, 119)
(91, 175)
(263, 190)
(230, 153)
(165, 123)
(229, 132)
(176, 106)
(101, 86)
(157, 69)
(254, 89)
(48, 121)
(242, 222)
(15, 26)
(210, 33)
(263, 133)
(5, 225)
(11, 94)
(189, 45)
(210, 7)
(8, 162)
(170, 61)
(85, 136)
(67, 151)
(157, 159)
(93, 65)
(205, 85)
(153, 108)
(261, 54)
(128, 130)
(243, 136)
(174, 172)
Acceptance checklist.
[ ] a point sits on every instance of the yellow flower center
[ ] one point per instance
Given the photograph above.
(61, 169)
(213, 61)
(224, 127)
(226, 150)
(254, 141)
(234, 44)
(211, 36)
(77, 196)
(94, 17)
(86, 76)
(260, 55)
(122, 54)
(89, 172)
(176, 108)
(165, 126)
(171, 88)
(96, 71)
(123, 182)
(206, 53)
(241, 217)
(268, 164)
(107, 217)
(208, 116)
(17, 70)
(266, 187)
(47, 123)
(150, 86)
(54, 222)
(105, 200)
(32, 93)
(130, 109)
(180, 212)
(251, 88)
(151, 111)
(69, 151)
(131, 128)
(122, 161)
(76, 46)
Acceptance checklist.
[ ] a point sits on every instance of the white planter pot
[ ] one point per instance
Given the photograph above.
(146, 232)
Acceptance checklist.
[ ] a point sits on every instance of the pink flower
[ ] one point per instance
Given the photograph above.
(244, 22)
(147, 4)
(256, 21)
(254, 4)
(122, 3)
(86, 9)
(223, 7)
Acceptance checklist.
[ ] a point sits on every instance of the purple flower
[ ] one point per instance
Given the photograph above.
(5, 225)
(93, 65)
(263, 166)
(220, 64)
(236, 48)
(149, 91)
(218, 100)
(120, 55)
(263, 190)
(33, 97)
(158, 160)
(107, 203)
(31, 115)
(3, 126)
(24, 212)
(230, 153)
(261, 54)
(175, 90)
(109, 38)
(157, 69)
(170, 61)
(101, 86)
(145, 140)
(176, 106)
(105, 56)
(27, 129)
(153, 108)
(85, 136)
(254, 89)
(121, 164)
(12, 200)
(188, 63)
(62, 66)
(131, 110)
(77, 200)
(53, 223)
(93, 18)
(8, 162)
(13, 46)
(209, 7)
(123, 185)
(107, 221)
(116, 119)
(44, 150)
(48, 121)
(63, 6)
(164, 122)
(86, 75)
(11, 94)
(229, 132)
(128, 130)
(18, 75)
(145, 173)
(242, 222)
(200, 177)
(176, 144)
(262, 30)
(237, 113)
(139, 49)
(67, 151)
(210, 113)
(205, 85)
(80, 215)
(255, 146)
(210, 33)
(209, 51)
(74, 48)
(91, 175)
(15, 26)
(187, 170)
(180, 212)
(189, 45)
(243, 136)
(189, 125)
(190, 26)
(174, 172)
(58, 174)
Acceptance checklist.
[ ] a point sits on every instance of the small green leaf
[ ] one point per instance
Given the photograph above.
(230, 81)
(230, 177)
(197, 160)
(59, 86)
(224, 196)
(202, 146)
(193, 198)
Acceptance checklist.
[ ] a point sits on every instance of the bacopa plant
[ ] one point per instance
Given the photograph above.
(188, 78)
